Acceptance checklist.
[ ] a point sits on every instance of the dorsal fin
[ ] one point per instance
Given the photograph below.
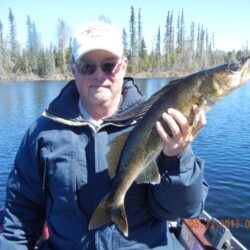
(139, 110)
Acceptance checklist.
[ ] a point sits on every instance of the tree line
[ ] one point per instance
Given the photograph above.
(176, 49)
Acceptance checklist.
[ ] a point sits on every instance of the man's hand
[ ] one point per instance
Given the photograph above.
(183, 133)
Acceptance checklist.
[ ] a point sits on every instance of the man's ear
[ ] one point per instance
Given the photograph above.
(125, 63)
(73, 68)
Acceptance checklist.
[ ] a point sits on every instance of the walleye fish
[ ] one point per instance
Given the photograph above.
(134, 153)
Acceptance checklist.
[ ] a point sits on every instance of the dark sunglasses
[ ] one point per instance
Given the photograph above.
(88, 68)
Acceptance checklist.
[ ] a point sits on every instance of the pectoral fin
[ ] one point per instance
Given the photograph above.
(149, 175)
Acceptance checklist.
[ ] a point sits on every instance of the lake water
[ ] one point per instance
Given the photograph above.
(224, 144)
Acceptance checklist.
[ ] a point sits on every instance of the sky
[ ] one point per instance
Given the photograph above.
(229, 20)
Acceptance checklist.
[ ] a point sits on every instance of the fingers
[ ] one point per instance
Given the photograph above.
(200, 119)
(179, 125)
(162, 133)
(182, 133)
(171, 147)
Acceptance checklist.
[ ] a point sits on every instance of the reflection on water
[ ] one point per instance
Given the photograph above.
(20, 104)
(151, 85)
(224, 143)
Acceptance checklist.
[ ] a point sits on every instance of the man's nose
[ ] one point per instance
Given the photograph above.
(99, 74)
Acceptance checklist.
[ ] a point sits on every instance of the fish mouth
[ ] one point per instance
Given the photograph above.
(210, 102)
(245, 72)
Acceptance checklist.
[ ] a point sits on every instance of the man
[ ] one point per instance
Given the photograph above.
(60, 173)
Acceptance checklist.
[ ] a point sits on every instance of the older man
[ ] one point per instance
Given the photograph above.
(60, 173)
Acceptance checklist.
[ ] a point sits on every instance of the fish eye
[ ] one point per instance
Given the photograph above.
(233, 67)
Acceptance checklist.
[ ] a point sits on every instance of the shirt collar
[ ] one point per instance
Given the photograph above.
(86, 115)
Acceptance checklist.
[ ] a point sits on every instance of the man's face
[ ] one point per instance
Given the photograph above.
(97, 88)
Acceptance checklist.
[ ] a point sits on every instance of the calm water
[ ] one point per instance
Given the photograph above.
(224, 144)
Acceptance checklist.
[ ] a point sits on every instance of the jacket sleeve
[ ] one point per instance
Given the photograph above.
(182, 191)
(24, 213)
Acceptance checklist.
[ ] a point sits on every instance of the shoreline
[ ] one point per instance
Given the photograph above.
(69, 77)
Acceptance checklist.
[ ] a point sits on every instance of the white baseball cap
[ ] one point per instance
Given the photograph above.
(95, 36)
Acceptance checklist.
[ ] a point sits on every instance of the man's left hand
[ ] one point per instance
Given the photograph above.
(182, 133)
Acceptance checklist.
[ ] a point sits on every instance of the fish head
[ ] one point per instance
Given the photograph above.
(231, 75)
(220, 81)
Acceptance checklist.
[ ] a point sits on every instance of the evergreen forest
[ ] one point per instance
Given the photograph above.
(178, 49)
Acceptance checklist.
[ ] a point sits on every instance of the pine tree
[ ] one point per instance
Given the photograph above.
(157, 53)
(169, 43)
(133, 43)
(132, 31)
(142, 60)
(139, 32)
(51, 62)
(189, 56)
(62, 41)
(14, 47)
(1, 51)
(180, 42)
(32, 46)
(29, 35)
(125, 42)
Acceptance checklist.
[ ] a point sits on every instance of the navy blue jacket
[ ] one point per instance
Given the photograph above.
(60, 175)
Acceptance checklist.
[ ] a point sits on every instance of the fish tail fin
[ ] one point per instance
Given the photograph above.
(107, 211)
(101, 214)
(118, 216)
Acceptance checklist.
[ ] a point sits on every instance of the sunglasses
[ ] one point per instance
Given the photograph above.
(88, 68)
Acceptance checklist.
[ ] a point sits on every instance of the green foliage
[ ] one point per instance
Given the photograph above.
(68, 52)
(175, 50)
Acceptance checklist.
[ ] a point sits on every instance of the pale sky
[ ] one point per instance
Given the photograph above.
(228, 19)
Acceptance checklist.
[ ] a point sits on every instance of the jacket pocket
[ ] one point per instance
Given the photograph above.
(59, 177)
